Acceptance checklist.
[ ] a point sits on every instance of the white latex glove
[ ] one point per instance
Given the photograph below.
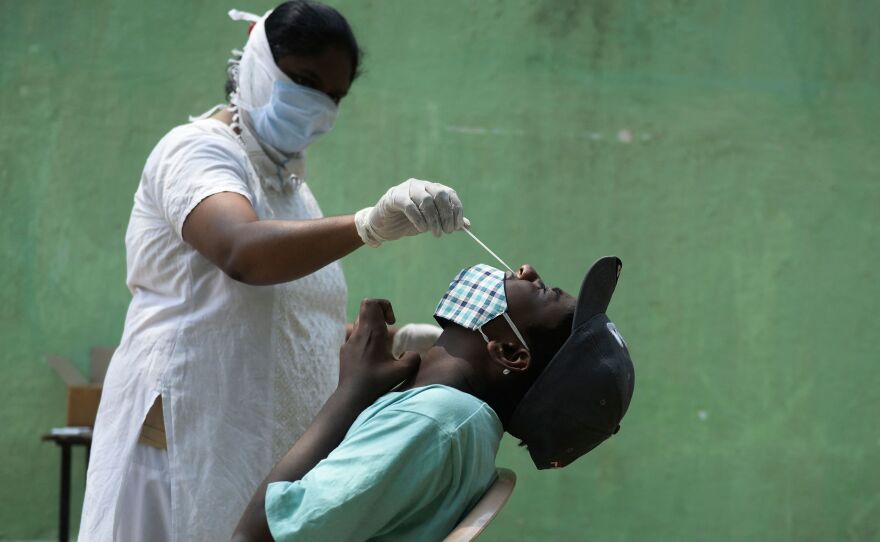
(410, 208)
(415, 338)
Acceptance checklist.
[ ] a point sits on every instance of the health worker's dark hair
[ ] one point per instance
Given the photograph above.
(308, 28)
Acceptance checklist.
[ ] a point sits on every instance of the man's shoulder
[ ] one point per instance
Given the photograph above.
(451, 410)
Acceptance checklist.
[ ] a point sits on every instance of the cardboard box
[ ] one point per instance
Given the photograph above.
(83, 395)
(82, 404)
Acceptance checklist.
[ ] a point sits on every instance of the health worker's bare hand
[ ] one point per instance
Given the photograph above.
(367, 369)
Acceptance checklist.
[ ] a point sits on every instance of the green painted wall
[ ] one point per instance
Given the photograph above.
(726, 151)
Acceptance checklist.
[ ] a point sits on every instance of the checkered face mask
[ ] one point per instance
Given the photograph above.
(474, 298)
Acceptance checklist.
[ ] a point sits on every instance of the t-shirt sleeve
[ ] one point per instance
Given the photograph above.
(385, 472)
(194, 166)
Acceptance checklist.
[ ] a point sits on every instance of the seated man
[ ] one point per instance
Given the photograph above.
(514, 355)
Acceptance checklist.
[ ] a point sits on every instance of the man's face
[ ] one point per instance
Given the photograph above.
(532, 303)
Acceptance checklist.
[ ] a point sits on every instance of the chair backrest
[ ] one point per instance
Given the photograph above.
(473, 523)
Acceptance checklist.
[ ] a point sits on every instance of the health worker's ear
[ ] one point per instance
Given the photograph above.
(510, 356)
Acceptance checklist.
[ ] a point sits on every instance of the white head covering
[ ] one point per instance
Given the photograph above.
(257, 70)
(254, 72)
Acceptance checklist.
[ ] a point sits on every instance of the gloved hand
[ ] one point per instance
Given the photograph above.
(410, 208)
(415, 338)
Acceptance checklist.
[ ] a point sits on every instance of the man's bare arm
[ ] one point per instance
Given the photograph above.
(367, 370)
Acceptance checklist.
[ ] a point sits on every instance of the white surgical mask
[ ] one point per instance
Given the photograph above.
(294, 117)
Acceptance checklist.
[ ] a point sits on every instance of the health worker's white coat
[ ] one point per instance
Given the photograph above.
(242, 370)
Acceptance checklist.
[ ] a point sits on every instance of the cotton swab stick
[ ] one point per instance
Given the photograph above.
(489, 250)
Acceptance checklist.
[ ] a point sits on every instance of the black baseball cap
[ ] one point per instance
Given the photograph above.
(578, 400)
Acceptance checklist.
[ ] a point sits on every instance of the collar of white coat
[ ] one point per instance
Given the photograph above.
(257, 72)
(278, 176)
(277, 173)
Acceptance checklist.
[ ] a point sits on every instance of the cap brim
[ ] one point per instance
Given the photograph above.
(597, 289)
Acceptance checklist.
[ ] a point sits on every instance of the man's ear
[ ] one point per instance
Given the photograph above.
(512, 356)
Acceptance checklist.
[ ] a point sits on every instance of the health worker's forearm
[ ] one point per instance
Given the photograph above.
(275, 251)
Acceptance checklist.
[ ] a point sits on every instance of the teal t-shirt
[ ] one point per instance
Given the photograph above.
(409, 468)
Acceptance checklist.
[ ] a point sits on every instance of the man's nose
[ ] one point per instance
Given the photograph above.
(527, 272)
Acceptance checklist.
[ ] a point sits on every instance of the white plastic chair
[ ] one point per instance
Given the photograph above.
(473, 523)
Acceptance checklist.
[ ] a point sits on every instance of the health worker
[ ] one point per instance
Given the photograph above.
(232, 338)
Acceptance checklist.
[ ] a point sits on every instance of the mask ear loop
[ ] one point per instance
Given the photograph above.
(512, 326)
(516, 331)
